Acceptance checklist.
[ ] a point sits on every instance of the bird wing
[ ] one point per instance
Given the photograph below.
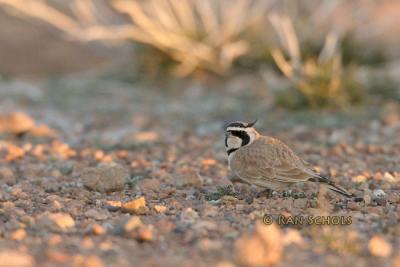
(270, 159)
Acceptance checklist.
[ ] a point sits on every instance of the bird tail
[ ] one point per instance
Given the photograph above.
(331, 185)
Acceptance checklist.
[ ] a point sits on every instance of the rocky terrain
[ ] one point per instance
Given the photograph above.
(97, 173)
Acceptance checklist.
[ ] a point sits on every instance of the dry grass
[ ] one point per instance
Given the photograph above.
(321, 78)
(196, 34)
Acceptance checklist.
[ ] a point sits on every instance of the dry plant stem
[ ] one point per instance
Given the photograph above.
(44, 12)
(198, 34)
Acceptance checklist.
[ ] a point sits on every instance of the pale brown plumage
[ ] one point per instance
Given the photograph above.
(267, 162)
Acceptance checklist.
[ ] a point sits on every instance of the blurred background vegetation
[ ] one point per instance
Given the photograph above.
(308, 54)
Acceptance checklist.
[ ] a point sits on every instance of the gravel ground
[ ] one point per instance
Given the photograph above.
(97, 173)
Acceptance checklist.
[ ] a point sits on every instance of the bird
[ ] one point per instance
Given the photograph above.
(267, 162)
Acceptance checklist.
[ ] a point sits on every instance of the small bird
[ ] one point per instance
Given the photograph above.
(267, 162)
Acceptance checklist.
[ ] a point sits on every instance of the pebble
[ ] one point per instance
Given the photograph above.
(353, 206)
(379, 193)
(112, 205)
(388, 177)
(262, 248)
(210, 211)
(18, 235)
(105, 178)
(381, 201)
(16, 123)
(229, 200)
(149, 185)
(8, 205)
(207, 244)
(99, 215)
(132, 223)
(188, 216)
(160, 208)
(205, 226)
(359, 178)
(367, 199)
(136, 206)
(394, 199)
(87, 261)
(98, 229)
(379, 247)
(189, 177)
(58, 221)
(12, 258)
(134, 228)
(50, 185)
(7, 176)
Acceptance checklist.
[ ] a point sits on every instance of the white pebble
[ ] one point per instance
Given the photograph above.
(379, 193)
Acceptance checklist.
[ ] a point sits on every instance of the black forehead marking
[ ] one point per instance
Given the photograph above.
(237, 124)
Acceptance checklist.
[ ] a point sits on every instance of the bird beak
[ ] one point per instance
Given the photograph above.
(251, 124)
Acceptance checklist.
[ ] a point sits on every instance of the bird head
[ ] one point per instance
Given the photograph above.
(239, 134)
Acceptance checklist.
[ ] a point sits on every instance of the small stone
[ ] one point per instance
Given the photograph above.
(7, 176)
(353, 206)
(189, 177)
(388, 177)
(112, 205)
(134, 228)
(16, 123)
(394, 199)
(55, 205)
(136, 206)
(99, 215)
(367, 199)
(51, 185)
(87, 261)
(210, 211)
(14, 152)
(98, 229)
(262, 248)
(381, 201)
(87, 243)
(54, 240)
(160, 208)
(205, 226)
(229, 200)
(58, 221)
(379, 247)
(149, 185)
(12, 258)
(8, 205)
(359, 178)
(379, 193)
(132, 223)
(207, 244)
(18, 235)
(144, 234)
(106, 178)
(43, 131)
(188, 216)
